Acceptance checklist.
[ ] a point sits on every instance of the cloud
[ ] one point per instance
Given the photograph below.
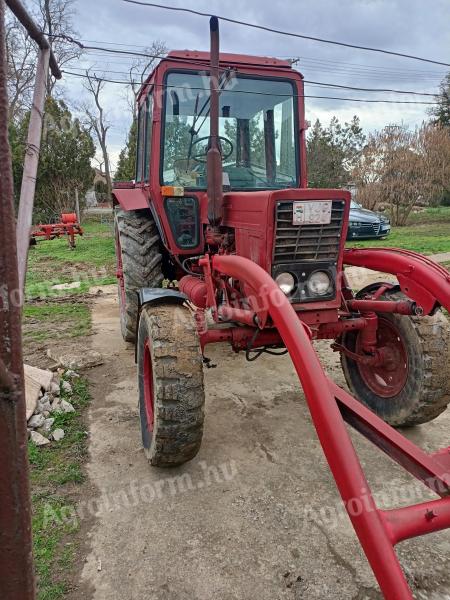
(412, 27)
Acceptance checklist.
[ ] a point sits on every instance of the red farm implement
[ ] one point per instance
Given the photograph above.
(220, 203)
(68, 226)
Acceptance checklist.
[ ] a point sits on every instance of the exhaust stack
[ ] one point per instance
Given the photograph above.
(214, 156)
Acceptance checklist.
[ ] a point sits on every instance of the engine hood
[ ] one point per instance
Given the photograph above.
(362, 215)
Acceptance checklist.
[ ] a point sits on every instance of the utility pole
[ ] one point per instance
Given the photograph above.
(31, 162)
(77, 206)
(16, 558)
(16, 548)
(46, 58)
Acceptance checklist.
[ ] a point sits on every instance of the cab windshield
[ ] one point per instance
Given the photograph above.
(256, 125)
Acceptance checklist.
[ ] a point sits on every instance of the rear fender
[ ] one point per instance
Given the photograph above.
(420, 278)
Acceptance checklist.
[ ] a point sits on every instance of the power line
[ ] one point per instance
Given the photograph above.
(364, 66)
(102, 79)
(312, 83)
(289, 33)
(304, 59)
(178, 59)
(184, 60)
(122, 61)
(361, 89)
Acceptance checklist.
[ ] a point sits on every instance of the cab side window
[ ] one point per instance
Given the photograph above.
(148, 136)
(140, 142)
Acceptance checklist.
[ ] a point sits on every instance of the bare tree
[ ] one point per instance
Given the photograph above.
(21, 61)
(141, 68)
(97, 121)
(56, 18)
(403, 169)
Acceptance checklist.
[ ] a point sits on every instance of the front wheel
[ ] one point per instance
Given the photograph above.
(171, 392)
(411, 386)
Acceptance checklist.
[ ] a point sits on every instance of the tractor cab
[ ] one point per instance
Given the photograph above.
(258, 127)
(259, 206)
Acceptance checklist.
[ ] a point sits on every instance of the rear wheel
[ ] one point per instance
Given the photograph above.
(171, 393)
(139, 263)
(411, 386)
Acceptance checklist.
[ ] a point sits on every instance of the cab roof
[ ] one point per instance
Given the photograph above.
(190, 57)
(234, 59)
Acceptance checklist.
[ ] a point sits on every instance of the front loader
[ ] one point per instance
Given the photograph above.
(221, 213)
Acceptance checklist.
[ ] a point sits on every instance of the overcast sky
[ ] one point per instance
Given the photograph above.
(408, 26)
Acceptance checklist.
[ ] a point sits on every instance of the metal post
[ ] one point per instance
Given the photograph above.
(77, 206)
(30, 167)
(16, 561)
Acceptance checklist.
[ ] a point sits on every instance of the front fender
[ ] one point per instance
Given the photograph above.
(420, 278)
(130, 198)
(156, 296)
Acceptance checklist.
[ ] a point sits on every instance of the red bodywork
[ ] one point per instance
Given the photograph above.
(230, 281)
(68, 226)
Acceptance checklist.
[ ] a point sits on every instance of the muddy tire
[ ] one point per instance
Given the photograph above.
(171, 392)
(139, 263)
(414, 388)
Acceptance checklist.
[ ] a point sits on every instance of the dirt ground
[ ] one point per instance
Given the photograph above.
(256, 514)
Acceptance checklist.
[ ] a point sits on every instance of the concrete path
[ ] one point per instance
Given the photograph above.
(441, 258)
(256, 516)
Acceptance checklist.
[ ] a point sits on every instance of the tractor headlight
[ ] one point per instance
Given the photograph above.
(319, 283)
(286, 282)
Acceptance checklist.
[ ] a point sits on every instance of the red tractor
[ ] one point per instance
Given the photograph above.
(220, 206)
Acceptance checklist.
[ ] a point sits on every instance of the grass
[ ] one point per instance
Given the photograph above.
(52, 262)
(56, 471)
(53, 320)
(428, 233)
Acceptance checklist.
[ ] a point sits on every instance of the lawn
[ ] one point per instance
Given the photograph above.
(52, 262)
(427, 233)
(56, 473)
(54, 319)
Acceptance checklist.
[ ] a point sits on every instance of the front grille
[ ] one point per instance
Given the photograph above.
(369, 229)
(299, 243)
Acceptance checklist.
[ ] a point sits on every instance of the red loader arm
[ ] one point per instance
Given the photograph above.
(378, 531)
(420, 278)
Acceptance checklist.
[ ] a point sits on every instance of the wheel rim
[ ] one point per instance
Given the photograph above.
(119, 274)
(388, 379)
(148, 386)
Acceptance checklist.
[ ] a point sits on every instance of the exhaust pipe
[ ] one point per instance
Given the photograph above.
(214, 156)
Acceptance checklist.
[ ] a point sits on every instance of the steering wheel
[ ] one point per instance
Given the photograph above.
(201, 157)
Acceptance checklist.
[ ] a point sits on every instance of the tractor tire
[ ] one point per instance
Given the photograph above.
(171, 391)
(139, 263)
(414, 387)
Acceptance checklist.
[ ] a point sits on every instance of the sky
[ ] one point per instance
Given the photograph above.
(408, 26)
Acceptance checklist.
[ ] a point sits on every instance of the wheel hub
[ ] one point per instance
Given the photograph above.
(388, 376)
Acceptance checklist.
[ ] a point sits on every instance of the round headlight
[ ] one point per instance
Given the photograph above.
(286, 282)
(319, 283)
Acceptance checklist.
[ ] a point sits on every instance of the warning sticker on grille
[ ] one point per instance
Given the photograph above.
(312, 213)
